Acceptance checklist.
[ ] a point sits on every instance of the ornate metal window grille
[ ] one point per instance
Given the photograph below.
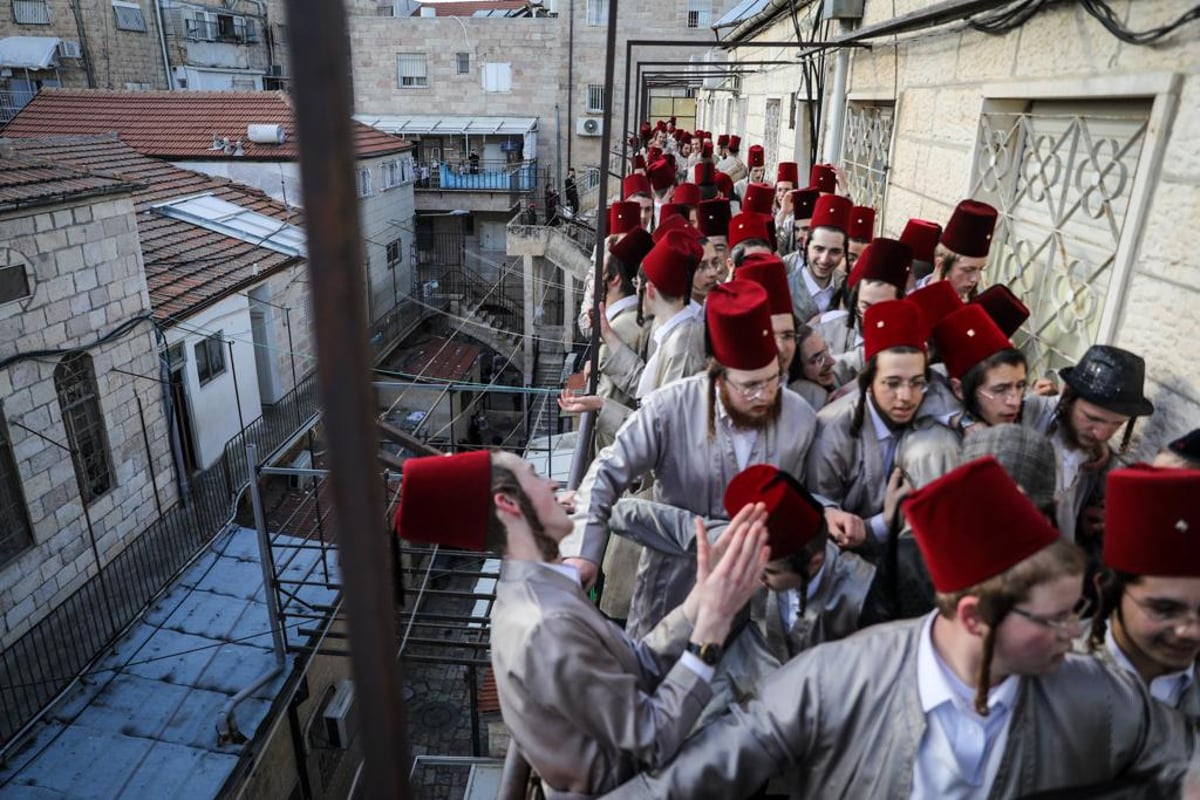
(31, 12)
(16, 534)
(866, 147)
(79, 402)
(1061, 175)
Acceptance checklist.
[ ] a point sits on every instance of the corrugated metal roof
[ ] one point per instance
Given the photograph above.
(215, 214)
(741, 12)
(141, 722)
(447, 125)
(28, 52)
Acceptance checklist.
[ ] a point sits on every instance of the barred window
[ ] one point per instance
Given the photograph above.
(129, 16)
(393, 175)
(597, 12)
(79, 402)
(411, 71)
(595, 98)
(366, 187)
(31, 12)
(464, 63)
(14, 284)
(210, 358)
(15, 531)
(699, 13)
(393, 253)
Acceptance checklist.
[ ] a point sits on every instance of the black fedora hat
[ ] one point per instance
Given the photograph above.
(1111, 378)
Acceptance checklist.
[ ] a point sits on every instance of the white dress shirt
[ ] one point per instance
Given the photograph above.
(789, 601)
(743, 438)
(649, 380)
(1165, 688)
(887, 451)
(821, 296)
(960, 751)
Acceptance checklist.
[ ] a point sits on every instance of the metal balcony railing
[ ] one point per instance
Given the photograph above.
(11, 103)
(481, 176)
(226, 28)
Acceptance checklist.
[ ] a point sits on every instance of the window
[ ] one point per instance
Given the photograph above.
(699, 13)
(15, 531)
(464, 63)
(392, 174)
(595, 98)
(365, 187)
(497, 77)
(129, 16)
(394, 250)
(31, 12)
(79, 402)
(410, 71)
(210, 358)
(13, 282)
(597, 12)
(866, 145)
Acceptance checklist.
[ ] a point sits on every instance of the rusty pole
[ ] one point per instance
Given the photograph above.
(323, 103)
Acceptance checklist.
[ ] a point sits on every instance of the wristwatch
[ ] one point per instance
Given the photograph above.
(709, 652)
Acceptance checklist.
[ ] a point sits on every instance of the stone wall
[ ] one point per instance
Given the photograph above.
(86, 278)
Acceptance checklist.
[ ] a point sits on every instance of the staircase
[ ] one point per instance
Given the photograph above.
(549, 372)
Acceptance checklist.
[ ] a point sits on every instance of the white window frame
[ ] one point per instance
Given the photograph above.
(416, 78)
(366, 183)
(597, 13)
(392, 174)
(462, 63)
(128, 16)
(699, 13)
(496, 76)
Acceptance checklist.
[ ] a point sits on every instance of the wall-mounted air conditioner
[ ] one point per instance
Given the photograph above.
(341, 715)
(69, 49)
(588, 126)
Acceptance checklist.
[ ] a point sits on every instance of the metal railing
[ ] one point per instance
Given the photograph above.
(481, 176)
(232, 30)
(11, 103)
(270, 430)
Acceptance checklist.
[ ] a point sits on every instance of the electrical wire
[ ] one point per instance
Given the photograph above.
(1103, 12)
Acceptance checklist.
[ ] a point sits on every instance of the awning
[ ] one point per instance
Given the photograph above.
(28, 52)
(740, 13)
(448, 126)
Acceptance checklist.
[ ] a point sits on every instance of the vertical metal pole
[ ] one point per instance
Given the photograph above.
(237, 393)
(324, 103)
(287, 323)
(149, 459)
(837, 115)
(266, 557)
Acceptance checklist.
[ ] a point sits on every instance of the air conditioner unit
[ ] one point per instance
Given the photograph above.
(341, 715)
(302, 461)
(275, 71)
(68, 49)
(588, 126)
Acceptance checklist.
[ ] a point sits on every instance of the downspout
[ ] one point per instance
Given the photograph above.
(570, 81)
(162, 43)
(837, 116)
(83, 46)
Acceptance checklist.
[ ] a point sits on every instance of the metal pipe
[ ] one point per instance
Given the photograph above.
(162, 43)
(149, 458)
(837, 118)
(323, 107)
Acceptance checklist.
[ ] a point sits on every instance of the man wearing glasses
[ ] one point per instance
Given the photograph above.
(1149, 618)
(693, 436)
(979, 698)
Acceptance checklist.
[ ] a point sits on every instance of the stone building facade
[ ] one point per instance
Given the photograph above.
(1084, 142)
(78, 352)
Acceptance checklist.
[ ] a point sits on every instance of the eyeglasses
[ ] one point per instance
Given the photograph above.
(916, 385)
(786, 336)
(819, 357)
(1004, 390)
(1062, 623)
(756, 389)
(1166, 612)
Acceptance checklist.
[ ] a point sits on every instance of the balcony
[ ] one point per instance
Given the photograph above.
(11, 104)
(226, 29)
(481, 176)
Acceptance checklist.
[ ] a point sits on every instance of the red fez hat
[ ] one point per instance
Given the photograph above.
(748, 225)
(862, 223)
(787, 172)
(803, 201)
(738, 316)
(639, 162)
(967, 337)
(706, 149)
(661, 174)
(936, 300)
(714, 217)
(671, 120)
(768, 271)
(632, 248)
(723, 140)
(973, 523)
(724, 184)
(704, 174)
(645, 129)
(671, 210)
(660, 125)
(735, 143)
(794, 517)
(1152, 521)
(687, 194)
(760, 198)
(669, 221)
(832, 211)
(884, 260)
(445, 500)
(670, 263)
(636, 183)
(1005, 309)
(922, 236)
(624, 217)
(893, 323)
(653, 154)
(824, 178)
(755, 157)
(670, 159)
(969, 231)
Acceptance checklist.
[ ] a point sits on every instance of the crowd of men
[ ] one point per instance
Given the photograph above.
(844, 544)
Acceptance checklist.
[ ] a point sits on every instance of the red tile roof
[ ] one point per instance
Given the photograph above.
(26, 182)
(179, 125)
(187, 267)
(437, 358)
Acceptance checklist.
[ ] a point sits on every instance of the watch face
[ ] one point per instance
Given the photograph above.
(709, 653)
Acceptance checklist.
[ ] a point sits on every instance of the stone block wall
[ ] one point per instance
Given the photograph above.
(86, 278)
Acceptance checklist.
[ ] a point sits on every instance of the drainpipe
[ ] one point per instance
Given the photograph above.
(162, 43)
(570, 80)
(227, 729)
(837, 117)
(83, 47)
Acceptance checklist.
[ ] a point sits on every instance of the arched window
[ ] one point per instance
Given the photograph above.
(78, 399)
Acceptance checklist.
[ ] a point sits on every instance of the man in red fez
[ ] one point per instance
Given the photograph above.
(859, 234)
(637, 188)
(549, 641)
(796, 220)
(1148, 621)
(693, 435)
(731, 164)
(662, 181)
(786, 175)
(981, 697)
(748, 234)
(822, 273)
(767, 270)
(962, 251)
(712, 218)
(756, 170)
(922, 238)
(987, 374)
